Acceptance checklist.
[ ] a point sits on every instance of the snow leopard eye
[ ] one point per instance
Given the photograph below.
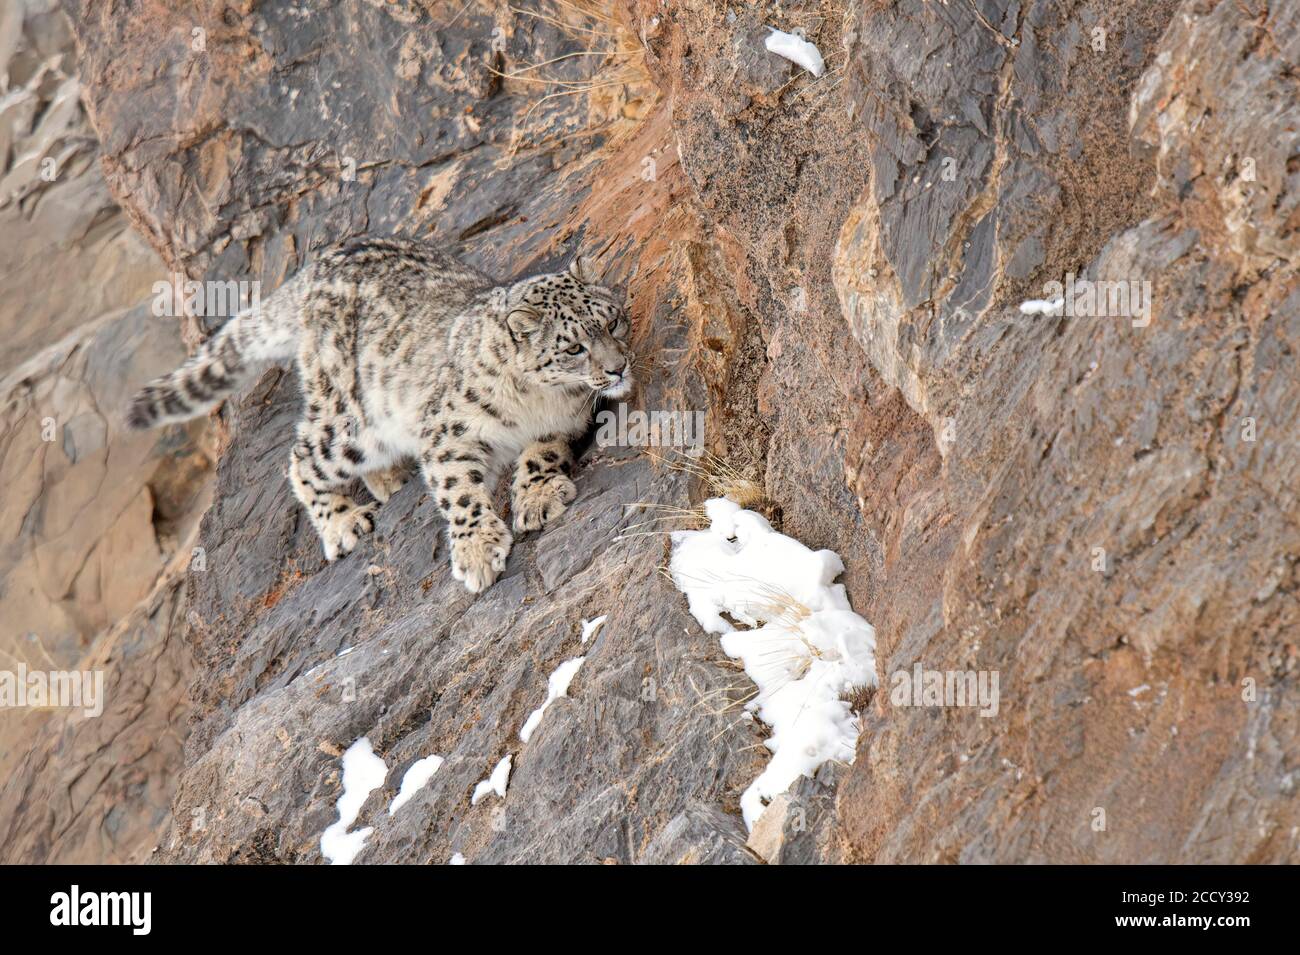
(575, 349)
(615, 324)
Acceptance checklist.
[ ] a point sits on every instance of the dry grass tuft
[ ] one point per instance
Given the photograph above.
(860, 698)
(682, 518)
(620, 87)
(721, 478)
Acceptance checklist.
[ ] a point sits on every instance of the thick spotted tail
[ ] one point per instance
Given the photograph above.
(244, 345)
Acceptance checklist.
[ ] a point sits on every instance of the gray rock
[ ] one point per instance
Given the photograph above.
(700, 835)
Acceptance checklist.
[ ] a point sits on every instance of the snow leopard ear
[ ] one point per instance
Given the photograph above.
(523, 320)
(583, 268)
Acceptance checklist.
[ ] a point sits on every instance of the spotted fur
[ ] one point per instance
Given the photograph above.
(406, 353)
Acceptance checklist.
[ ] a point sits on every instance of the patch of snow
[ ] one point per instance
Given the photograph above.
(795, 49)
(496, 783)
(806, 647)
(363, 773)
(456, 859)
(1038, 306)
(557, 684)
(1138, 690)
(589, 627)
(414, 780)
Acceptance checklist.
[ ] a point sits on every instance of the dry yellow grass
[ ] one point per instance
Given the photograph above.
(679, 519)
(721, 478)
(619, 88)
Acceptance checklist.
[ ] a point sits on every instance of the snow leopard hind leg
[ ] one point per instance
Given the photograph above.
(326, 459)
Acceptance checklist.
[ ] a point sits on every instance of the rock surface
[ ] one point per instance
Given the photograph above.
(96, 525)
(1100, 511)
(1121, 515)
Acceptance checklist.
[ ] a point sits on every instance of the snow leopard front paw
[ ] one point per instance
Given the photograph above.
(344, 527)
(536, 505)
(479, 554)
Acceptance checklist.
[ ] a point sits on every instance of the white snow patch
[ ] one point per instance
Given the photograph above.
(414, 780)
(589, 627)
(1038, 306)
(557, 684)
(795, 49)
(806, 648)
(363, 773)
(496, 783)
(456, 859)
(1138, 690)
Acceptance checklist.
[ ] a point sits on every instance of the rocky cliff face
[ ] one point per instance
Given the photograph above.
(1096, 504)
(1120, 501)
(96, 525)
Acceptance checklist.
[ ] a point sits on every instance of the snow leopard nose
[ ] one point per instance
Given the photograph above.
(616, 372)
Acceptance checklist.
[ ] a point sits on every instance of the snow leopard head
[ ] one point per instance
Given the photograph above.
(570, 331)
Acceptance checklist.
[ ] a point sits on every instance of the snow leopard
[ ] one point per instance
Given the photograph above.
(406, 353)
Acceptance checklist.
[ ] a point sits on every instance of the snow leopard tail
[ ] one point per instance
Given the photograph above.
(267, 332)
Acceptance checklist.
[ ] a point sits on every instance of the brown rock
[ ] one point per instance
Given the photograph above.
(95, 524)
